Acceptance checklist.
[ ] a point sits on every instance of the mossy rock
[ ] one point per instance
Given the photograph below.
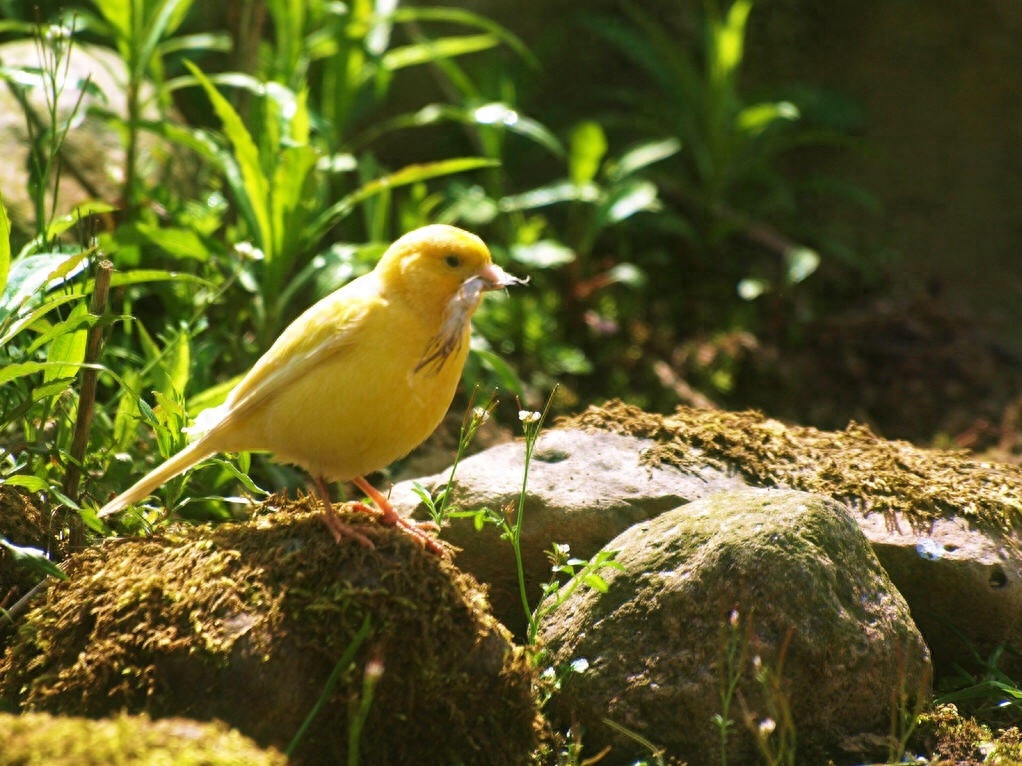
(866, 473)
(126, 740)
(21, 523)
(246, 622)
(773, 594)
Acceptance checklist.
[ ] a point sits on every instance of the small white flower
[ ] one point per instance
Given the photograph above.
(528, 417)
(581, 665)
(480, 415)
(56, 32)
(248, 250)
(767, 726)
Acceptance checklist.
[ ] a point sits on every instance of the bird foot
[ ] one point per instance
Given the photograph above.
(340, 530)
(420, 530)
(392, 518)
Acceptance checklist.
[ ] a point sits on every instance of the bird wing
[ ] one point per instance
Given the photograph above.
(330, 327)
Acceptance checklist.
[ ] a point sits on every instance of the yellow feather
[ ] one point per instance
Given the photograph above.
(363, 376)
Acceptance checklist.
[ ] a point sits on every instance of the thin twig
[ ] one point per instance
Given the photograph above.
(87, 397)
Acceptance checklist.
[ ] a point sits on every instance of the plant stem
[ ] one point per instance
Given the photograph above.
(87, 396)
(532, 427)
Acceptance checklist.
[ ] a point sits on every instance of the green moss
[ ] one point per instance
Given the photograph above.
(245, 622)
(855, 466)
(126, 741)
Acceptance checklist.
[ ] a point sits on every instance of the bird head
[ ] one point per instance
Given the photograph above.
(434, 265)
(442, 271)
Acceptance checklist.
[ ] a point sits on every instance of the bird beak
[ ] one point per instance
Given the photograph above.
(495, 278)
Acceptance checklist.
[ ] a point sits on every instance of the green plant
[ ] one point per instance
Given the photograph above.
(282, 154)
(46, 132)
(343, 666)
(143, 33)
(569, 574)
(736, 643)
(775, 732)
(728, 178)
(988, 692)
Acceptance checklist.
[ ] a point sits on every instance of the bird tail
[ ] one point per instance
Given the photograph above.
(191, 455)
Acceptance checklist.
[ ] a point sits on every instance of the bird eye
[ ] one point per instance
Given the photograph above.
(452, 260)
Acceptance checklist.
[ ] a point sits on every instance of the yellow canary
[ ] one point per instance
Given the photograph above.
(358, 380)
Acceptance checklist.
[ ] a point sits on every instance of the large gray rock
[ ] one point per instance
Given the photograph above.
(584, 489)
(961, 573)
(809, 605)
(964, 586)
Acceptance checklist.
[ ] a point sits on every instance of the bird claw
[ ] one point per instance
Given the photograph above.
(417, 529)
(340, 530)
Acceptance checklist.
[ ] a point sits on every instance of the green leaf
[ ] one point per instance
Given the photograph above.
(252, 188)
(507, 377)
(586, 149)
(551, 194)
(500, 114)
(127, 415)
(177, 242)
(60, 225)
(27, 481)
(28, 276)
(730, 47)
(467, 18)
(409, 174)
(432, 50)
(75, 292)
(33, 559)
(163, 21)
(495, 113)
(643, 156)
(751, 288)
(627, 199)
(67, 350)
(213, 396)
(16, 370)
(173, 371)
(801, 262)
(544, 254)
(756, 118)
(5, 246)
(627, 274)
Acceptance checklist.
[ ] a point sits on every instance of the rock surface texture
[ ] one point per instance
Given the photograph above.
(942, 524)
(776, 590)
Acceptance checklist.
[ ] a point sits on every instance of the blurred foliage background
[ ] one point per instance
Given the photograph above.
(687, 236)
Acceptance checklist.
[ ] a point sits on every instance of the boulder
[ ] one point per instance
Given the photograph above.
(942, 523)
(776, 592)
(138, 740)
(964, 586)
(584, 489)
(269, 625)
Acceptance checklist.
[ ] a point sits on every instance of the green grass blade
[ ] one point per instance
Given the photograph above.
(5, 246)
(67, 350)
(435, 50)
(166, 18)
(254, 191)
(407, 175)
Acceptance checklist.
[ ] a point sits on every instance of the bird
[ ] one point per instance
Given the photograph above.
(359, 379)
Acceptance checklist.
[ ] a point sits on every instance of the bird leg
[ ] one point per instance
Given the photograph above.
(392, 518)
(337, 528)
